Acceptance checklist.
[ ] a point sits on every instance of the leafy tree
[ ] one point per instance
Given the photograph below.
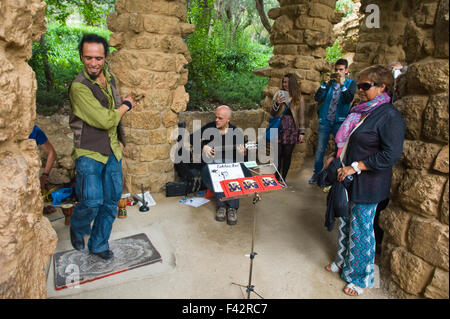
(345, 6)
(93, 12)
(334, 52)
(229, 42)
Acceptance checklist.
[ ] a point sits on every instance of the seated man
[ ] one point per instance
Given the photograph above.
(221, 142)
(42, 141)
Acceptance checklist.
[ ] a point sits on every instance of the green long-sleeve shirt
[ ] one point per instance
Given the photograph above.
(86, 107)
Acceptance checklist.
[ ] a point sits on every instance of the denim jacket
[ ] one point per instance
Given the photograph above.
(325, 93)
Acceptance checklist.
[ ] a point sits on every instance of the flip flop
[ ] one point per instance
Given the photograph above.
(332, 267)
(359, 291)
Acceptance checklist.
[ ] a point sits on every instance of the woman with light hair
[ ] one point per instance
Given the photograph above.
(288, 103)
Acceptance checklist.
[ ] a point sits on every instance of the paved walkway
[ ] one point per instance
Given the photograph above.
(202, 257)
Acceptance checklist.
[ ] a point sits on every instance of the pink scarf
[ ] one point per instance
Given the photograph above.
(355, 115)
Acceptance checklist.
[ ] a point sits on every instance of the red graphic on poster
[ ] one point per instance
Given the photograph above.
(269, 182)
(231, 187)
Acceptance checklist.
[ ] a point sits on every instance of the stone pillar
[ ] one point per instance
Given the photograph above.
(27, 239)
(149, 64)
(416, 243)
(381, 45)
(300, 34)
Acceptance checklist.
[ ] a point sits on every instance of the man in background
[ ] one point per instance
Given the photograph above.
(334, 97)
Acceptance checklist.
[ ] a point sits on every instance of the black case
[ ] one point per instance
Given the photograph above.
(176, 189)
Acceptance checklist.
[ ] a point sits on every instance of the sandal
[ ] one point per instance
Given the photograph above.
(333, 268)
(353, 290)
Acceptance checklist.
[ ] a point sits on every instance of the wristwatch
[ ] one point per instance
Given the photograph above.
(356, 168)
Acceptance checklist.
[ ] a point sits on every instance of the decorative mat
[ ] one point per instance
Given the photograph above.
(73, 267)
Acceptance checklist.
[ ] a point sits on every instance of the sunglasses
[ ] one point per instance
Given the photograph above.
(366, 86)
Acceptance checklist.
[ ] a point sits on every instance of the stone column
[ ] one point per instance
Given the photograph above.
(416, 242)
(300, 34)
(383, 44)
(27, 239)
(149, 64)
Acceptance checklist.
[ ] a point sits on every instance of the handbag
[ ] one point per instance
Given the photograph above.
(274, 126)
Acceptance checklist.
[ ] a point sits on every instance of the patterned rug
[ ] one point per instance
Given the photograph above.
(73, 267)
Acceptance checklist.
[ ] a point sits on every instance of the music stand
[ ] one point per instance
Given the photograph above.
(249, 287)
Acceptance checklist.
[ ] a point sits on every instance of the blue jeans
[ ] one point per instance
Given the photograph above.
(99, 188)
(325, 129)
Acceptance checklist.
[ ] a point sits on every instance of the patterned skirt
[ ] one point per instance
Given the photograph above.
(289, 132)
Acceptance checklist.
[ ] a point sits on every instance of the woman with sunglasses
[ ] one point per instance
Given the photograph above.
(288, 103)
(370, 142)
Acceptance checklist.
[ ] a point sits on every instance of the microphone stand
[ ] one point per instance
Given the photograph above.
(256, 199)
(250, 287)
(144, 207)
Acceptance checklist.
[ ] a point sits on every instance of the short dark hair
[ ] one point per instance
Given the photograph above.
(342, 62)
(93, 38)
(379, 74)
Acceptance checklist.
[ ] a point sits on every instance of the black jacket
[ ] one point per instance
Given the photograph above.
(224, 145)
(338, 198)
(378, 143)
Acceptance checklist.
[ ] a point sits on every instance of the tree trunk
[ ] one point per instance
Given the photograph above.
(262, 15)
(206, 14)
(48, 73)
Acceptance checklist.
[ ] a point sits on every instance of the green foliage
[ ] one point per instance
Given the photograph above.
(334, 52)
(64, 61)
(223, 58)
(93, 12)
(239, 90)
(345, 6)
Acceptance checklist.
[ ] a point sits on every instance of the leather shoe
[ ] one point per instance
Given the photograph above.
(77, 243)
(107, 254)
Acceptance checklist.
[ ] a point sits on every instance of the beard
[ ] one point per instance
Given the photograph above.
(93, 76)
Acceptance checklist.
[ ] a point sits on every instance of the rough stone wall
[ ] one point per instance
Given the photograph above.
(27, 239)
(150, 66)
(300, 34)
(416, 243)
(381, 45)
(61, 136)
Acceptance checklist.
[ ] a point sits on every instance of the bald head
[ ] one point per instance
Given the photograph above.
(223, 116)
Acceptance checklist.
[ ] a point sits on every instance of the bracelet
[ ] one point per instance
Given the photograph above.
(128, 103)
(46, 174)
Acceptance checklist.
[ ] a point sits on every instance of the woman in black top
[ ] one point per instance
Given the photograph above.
(374, 131)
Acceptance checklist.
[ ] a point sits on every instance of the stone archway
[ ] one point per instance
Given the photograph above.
(150, 64)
